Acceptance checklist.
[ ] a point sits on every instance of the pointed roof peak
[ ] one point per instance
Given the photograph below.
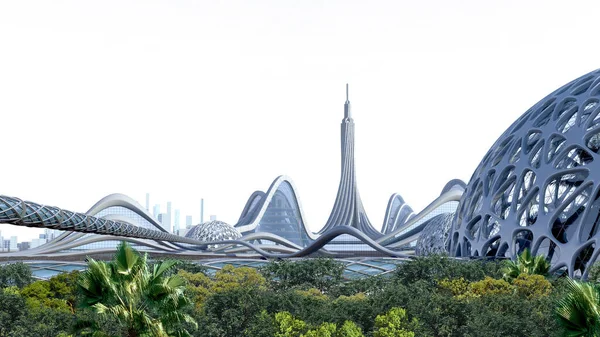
(347, 100)
(347, 113)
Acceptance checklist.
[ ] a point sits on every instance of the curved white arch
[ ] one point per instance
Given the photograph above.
(264, 236)
(118, 199)
(390, 212)
(267, 200)
(449, 195)
(101, 238)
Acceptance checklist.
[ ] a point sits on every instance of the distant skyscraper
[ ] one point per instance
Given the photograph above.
(13, 244)
(213, 217)
(188, 221)
(23, 245)
(51, 234)
(176, 222)
(37, 242)
(156, 211)
(148, 202)
(167, 221)
(202, 210)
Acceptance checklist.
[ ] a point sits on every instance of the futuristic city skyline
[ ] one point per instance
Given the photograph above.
(170, 99)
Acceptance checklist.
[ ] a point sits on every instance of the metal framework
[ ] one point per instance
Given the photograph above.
(15, 211)
(538, 186)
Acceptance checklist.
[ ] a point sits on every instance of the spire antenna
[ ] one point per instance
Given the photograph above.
(346, 92)
(347, 113)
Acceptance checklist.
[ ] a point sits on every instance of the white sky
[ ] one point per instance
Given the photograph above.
(215, 99)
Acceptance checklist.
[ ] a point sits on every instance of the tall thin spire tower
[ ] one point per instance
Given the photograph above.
(348, 209)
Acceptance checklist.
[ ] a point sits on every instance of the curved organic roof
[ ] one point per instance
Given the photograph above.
(538, 186)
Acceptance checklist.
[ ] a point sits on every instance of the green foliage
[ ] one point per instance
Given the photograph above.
(438, 267)
(525, 263)
(44, 321)
(288, 326)
(15, 274)
(59, 292)
(502, 314)
(489, 286)
(89, 323)
(231, 312)
(357, 308)
(230, 278)
(319, 273)
(198, 287)
(262, 326)
(12, 308)
(438, 296)
(439, 313)
(578, 311)
(349, 329)
(394, 323)
(144, 300)
(532, 286)
(25, 317)
(323, 330)
(594, 273)
(191, 267)
(367, 285)
(456, 287)
(313, 293)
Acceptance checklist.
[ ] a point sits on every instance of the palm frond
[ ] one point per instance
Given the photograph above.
(164, 266)
(579, 311)
(139, 297)
(125, 259)
(95, 283)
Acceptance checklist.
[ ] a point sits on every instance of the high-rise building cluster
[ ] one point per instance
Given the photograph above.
(8, 244)
(12, 244)
(171, 219)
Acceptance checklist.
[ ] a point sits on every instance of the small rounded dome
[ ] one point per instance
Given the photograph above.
(213, 231)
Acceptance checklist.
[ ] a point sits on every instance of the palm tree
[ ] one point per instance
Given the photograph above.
(146, 301)
(578, 311)
(526, 264)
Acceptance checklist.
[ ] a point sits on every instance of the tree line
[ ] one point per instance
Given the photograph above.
(429, 296)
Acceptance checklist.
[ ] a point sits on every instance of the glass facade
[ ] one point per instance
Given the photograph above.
(282, 217)
(446, 208)
(136, 219)
(355, 268)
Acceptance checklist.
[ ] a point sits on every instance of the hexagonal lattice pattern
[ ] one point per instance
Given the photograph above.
(213, 231)
(538, 186)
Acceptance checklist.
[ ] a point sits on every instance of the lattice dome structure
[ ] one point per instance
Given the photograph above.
(213, 231)
(538, 187)
(434, 237)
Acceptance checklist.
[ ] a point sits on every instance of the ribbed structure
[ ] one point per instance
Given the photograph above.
(213, 231)
(348, 208)
(25, 213)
